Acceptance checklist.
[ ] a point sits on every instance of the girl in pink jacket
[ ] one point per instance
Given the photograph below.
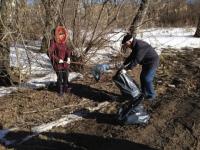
(59, 55)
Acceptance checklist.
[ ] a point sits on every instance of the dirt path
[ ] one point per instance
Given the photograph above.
(174, 122)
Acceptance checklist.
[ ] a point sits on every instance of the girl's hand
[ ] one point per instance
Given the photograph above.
(61, 61)
(68, 60)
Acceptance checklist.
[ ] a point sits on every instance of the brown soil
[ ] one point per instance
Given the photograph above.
(174, 122)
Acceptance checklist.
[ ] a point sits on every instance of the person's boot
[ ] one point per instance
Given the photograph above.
(60, 90)
(67, 88)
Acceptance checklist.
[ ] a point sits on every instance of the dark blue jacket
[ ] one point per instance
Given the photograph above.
(143, 54)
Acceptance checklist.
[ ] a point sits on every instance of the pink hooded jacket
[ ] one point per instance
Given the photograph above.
(58, 49)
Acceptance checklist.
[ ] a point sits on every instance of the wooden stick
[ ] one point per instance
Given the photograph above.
(65, 106)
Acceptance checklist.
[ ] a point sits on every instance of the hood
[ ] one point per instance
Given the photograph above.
(61, 29)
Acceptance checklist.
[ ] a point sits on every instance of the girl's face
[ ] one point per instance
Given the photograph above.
(61, 36)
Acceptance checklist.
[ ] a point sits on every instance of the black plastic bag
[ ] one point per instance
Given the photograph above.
(133, 115)
(132, 112)
(128, 87)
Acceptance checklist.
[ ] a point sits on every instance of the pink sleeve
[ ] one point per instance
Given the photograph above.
(68, 54)
(51, 51)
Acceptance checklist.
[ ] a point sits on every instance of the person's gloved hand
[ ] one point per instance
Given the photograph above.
(123, 71)
(61, 61)
(68, 60)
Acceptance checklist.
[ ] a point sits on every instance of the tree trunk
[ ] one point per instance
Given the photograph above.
(4, 43)
(138, 19)
(52, 9)
(197, 33)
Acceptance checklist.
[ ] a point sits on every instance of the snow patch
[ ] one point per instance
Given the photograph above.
(6, 90)
(37, 64)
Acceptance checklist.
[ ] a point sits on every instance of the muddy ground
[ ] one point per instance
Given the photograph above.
(174, 122)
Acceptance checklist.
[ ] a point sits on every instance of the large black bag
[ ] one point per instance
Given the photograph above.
(128, 87)
(132, 112)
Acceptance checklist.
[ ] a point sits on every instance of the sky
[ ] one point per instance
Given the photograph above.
(30, 1)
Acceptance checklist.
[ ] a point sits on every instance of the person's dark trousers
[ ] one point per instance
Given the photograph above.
(146, 79)
(62, 80)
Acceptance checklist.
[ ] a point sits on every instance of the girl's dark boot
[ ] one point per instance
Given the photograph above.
(60, 90)
(67, 88)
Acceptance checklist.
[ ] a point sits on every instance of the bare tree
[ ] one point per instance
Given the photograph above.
(53, 12)
(138, 19)
(97, 22)
(89, 25)
(4, 41)
(197, 33)
(10, 21)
